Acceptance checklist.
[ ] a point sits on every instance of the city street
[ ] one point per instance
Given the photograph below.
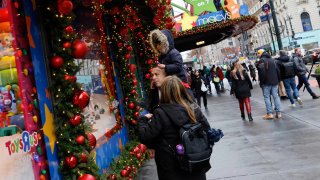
(278, 149)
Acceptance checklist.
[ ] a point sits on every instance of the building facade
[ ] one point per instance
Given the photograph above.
(297, 20)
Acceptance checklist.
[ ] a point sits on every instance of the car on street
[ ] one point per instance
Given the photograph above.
(308, 57)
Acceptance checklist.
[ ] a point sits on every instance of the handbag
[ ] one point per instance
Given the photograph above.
(203, 86)
(216, 79)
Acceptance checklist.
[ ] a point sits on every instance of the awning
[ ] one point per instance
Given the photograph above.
(213, 33)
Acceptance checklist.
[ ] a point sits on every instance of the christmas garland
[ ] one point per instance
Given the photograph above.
(127, 164)
(73, 138)
(218, 25)
(129, 41)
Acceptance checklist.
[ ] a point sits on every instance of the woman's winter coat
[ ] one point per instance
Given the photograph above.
(252, 71)
(241, 87)
(165, 124)
(196, 84)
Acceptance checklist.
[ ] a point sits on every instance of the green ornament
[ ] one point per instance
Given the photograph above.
(25, 52)
(43, 171)
(39, 150)
(35, 103)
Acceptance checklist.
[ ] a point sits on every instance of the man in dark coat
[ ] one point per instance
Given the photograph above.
(287, 74)
(269, 76)
(169, 58)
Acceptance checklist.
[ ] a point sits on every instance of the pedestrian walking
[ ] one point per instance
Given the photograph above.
(228, 76)
(269, 77)
(221, 77)
(207, 76)
(215, 79)
(252, 70)
(161, 129)
(287, 74)
(241, 87)
(301, 71)
(199, 87)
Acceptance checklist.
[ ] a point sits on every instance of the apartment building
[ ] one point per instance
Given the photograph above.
(298, 22)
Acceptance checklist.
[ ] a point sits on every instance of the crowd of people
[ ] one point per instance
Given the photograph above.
(176, 94)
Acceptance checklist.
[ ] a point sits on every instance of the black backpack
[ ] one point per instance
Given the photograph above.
(196, 145)
(287, 69)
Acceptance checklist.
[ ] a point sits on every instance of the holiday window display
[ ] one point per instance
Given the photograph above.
(21, 139)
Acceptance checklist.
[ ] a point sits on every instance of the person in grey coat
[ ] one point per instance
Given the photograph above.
(301, 71)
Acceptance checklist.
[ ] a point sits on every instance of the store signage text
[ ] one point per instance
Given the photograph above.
(213, 17)
(24, 143)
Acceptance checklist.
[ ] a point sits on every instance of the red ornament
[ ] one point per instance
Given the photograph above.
(131, 105)
(142, 147)
(83, 158)
(149, 62)
(140, 35)
(75, 120)
(124, 173)
(133, 92)
(134, 122)
(70, 78)
(112, 177)
(30, 107)
(81, 99)
(147, 76)
(128, 56)
(119, 45)
(80, 140)
(136, 114)
(19, 53)
(71, 161)
(68, 29)
(129, 48)
(80, 49)
(16, 5)
(136, 150)
(128, 168)
(135, 82)
(67, 45)
(86, 177)
(56, 62)
(126, 98)
(139, 155)
(65, 7)
(132, 67)
(92, 140)
(138, 108)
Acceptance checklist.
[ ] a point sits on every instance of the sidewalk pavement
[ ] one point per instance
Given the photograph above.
(279, 149)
